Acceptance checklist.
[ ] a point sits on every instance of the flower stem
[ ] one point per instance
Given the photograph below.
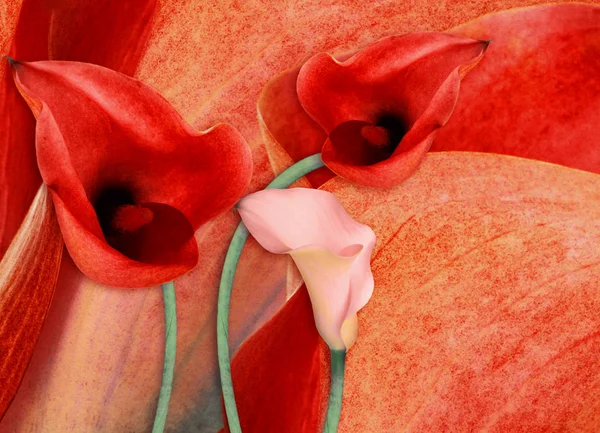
(232, 258)
(166, 387)
(334, 410)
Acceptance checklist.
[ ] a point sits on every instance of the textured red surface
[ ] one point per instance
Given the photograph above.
(484, 314)
(104, 142)
(536, 93)
(286, 393)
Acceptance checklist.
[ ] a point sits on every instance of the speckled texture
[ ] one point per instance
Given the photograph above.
(484, 314)
(211, 61)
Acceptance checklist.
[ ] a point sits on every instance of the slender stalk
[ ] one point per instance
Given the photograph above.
(336, 391)
(296, 171)
(232, 258)
(166, 387)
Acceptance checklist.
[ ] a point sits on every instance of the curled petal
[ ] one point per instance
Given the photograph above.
(131, 181)
(330, 249)
(382, 107)
(288, 131)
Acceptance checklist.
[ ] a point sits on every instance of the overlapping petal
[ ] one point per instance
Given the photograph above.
(484, 316)
(330, 249)
(536, 94)
(131, 181)
(28, 276)
(295, 400)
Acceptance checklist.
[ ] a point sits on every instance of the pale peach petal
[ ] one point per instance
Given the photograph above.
(330, 249)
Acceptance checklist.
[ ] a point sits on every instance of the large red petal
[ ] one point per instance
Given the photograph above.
(112, 34)
(280, 374)
(536, 93)
(28, 275)
(105, 141)
(484, 313)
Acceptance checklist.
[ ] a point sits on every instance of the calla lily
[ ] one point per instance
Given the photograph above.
(330, 249)
(131, 181)
(381, 108)
(373, 115)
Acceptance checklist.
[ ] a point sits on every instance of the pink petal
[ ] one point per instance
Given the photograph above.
(330, 249)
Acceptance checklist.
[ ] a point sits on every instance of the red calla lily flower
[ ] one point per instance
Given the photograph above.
(131, 181)
(382, 107)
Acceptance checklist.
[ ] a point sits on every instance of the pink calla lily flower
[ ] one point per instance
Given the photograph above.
(330, 249)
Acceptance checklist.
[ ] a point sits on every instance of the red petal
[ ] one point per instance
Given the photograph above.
(406, 84)
(112, 34)
(279, 375)
(19, 178)
(484, 313)
(105, 140)
(536, 93)
(28, 275)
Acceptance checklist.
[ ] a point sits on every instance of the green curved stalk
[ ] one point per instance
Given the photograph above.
(232, 258)
(336, 391)
(166, 387)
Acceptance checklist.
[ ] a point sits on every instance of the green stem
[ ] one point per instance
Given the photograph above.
(232, 258)
(334, 409)
(166, 387)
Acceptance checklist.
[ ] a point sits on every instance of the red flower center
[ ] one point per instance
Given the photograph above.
(120, 218)
(376, 136)
(145, 232)
(130, 218)
(363, 143)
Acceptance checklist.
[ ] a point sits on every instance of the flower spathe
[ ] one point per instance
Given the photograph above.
(375, 114)
(130, 180)
(330, 249)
